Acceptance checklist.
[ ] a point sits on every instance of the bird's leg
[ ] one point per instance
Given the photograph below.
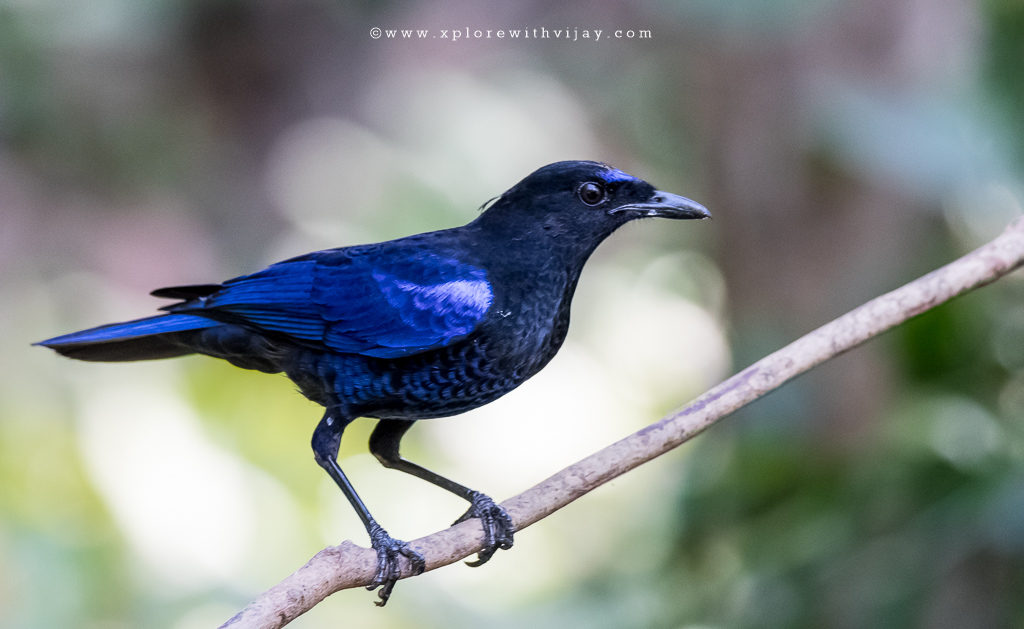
(497, 525)
(326, 439)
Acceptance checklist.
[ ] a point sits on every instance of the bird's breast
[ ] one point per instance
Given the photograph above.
(523, 329)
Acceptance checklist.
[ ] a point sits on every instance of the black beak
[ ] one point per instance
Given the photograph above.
(665, 205)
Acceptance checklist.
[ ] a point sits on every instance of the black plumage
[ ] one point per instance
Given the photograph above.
(426, 326)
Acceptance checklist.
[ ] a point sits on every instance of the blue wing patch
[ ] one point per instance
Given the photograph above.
(368, 304)
(432, 314)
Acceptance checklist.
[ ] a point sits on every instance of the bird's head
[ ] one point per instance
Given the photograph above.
(581, 200)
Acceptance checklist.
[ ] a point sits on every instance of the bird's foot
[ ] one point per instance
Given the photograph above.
(497, 525)
(388, 550)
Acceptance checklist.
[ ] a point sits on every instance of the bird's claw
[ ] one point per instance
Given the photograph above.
(497, 525)
(388, 571)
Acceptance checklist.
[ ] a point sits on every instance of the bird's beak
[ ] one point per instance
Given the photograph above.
(665, 205)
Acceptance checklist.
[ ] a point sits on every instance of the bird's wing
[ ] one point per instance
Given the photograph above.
(372, 303)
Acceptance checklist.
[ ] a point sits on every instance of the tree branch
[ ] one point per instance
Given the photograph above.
(348, 565)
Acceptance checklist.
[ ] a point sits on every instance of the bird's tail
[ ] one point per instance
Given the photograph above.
(142, 339)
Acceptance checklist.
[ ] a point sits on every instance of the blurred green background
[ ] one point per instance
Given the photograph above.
(844, 148)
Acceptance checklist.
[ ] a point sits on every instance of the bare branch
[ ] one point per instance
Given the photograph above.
(347, 565)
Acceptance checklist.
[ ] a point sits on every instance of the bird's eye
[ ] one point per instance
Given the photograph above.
(591, 193)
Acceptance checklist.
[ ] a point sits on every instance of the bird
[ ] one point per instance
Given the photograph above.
(426, 326)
